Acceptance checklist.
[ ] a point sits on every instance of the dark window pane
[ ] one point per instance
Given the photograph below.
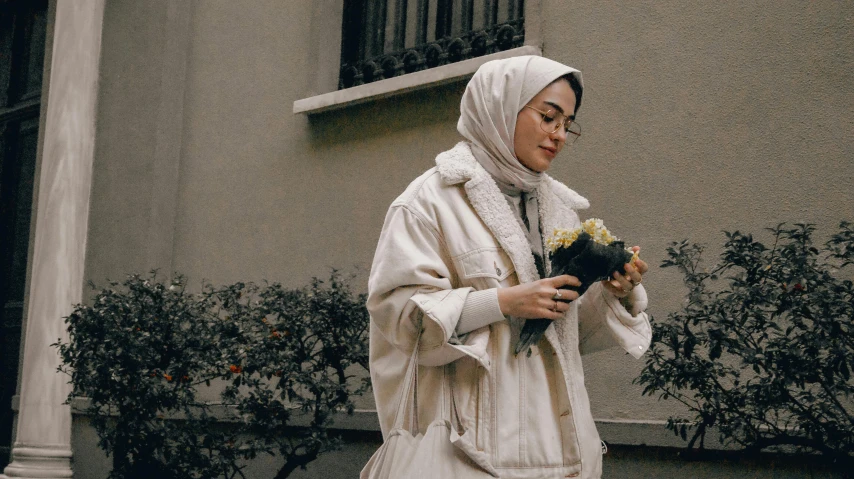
(31, 73)
(22, 44)
(491, 12)
(444, 18)
(6, 22)
(421, 32)
(21, 210)
(28, 43)
(10, 343)
(517, 9)
(378, 46)
(351, 37)
(374, 24)
(396, 25)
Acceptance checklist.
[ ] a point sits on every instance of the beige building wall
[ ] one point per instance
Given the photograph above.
(701, 117)
(697, 117)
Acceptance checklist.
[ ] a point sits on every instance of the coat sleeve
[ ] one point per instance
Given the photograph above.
(411, 281)
(603, 321)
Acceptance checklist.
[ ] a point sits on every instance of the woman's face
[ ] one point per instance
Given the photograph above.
(533, 147)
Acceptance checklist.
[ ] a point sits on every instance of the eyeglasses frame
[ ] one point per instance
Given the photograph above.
(559, 124)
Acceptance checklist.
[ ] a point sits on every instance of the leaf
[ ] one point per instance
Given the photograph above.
(715, 351)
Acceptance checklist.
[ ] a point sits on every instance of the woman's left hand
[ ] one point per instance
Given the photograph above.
(622, 284)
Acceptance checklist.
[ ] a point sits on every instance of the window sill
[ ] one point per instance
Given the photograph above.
(404, 83)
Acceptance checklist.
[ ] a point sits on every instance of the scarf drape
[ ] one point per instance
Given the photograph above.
(493, 97)
(492, 100)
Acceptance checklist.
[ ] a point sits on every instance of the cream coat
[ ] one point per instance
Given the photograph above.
(450, 233)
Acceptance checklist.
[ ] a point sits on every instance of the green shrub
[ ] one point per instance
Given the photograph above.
(143, 351)
(763, 348)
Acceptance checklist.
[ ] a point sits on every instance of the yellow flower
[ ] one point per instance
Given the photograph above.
(635, 255)
(562, 238)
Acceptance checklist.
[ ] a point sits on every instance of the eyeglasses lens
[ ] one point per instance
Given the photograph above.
(553, 120)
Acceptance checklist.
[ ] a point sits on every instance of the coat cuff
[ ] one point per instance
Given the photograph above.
(441, 313)
(631, 329)
(480, 309)
(636, 302)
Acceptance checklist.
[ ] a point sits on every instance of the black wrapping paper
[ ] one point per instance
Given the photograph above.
(585, 259)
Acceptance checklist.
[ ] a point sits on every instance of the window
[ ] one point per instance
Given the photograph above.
(365, 50)
(387, 38)
(23, 30)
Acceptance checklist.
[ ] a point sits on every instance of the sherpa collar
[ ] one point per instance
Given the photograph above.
(458, 165)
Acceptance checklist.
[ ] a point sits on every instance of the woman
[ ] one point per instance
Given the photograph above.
(460, 259)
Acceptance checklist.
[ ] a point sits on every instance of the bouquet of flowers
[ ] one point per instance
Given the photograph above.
(590, 253)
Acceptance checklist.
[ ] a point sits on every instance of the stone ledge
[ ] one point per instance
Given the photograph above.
(647, 433)
(404, 83)
(612, 431)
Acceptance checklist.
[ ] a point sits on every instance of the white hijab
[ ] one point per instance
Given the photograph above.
(494, 96)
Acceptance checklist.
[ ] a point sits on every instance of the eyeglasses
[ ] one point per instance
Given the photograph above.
(553, 120)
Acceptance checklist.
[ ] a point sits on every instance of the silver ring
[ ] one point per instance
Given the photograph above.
(557, 295)
(626, 290)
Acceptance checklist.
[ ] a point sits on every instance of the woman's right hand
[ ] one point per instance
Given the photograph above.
(546, 298)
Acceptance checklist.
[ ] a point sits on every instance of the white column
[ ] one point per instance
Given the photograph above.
(42, 446)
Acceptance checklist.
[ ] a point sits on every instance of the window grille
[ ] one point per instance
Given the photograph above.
(387, 38)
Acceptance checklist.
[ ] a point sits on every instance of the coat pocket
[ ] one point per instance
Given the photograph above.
(485, 263)
(470, 397)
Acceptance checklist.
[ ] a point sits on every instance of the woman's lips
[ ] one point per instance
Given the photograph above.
(550, 151)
